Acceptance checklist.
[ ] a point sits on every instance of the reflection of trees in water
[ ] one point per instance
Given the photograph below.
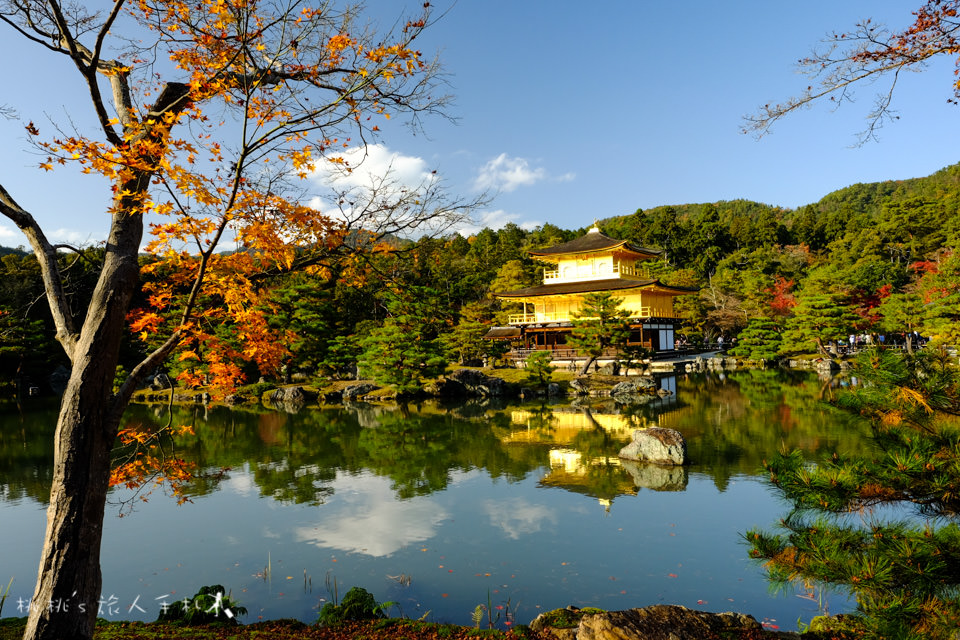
(541, 419)
(26, 451)
(730, 428)
(763, 388)
(599, 478)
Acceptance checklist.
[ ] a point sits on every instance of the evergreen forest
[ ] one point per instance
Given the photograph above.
(873, 259)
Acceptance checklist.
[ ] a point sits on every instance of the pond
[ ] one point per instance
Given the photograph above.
(441, 507)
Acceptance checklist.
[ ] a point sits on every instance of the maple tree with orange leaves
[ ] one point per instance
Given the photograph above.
(206, 115)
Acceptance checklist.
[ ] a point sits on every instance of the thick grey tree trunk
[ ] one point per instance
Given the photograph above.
(64, 604)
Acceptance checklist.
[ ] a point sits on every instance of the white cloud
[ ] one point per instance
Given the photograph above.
(9, 235)
(365, 166)
(504, 173)
(13, 237)
(492, 220)
(518, 516)
(368, 519)
(72, 236)
(382, 191)
(241, 483)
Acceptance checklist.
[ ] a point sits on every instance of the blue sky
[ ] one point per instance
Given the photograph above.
(568, 114)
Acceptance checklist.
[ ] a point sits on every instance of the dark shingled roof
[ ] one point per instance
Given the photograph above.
(589, 286)
(502, 333)
(594, 241)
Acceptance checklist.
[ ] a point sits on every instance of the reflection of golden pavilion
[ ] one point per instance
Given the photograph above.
(572, 461)
(599, 476)
(562, 427)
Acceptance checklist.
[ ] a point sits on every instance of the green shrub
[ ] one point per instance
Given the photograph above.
(210, 604)
(257, 389)
(538, 367)
(357, 604)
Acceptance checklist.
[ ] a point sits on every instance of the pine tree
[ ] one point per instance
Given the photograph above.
(884, 526)
(816, 319)
(539, 369)
(465, 342)
(407, 348)
(598, 325)
(759, 341)
(940, 289)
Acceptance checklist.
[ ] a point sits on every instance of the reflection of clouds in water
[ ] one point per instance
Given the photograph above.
(367, 518)
(240, 482)
(518, 516)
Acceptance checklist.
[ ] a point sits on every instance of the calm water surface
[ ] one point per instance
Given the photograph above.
(438, 507)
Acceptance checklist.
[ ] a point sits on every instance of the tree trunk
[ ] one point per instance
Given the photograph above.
(586, 366)
(908, 342)
(65, 602)
(821, 349)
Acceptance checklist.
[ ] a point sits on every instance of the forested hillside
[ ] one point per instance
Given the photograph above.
(871, 258)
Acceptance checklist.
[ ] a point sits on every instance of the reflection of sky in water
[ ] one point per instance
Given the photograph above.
(541, 548)
(512, 535)
(366, 518)
(518, 516)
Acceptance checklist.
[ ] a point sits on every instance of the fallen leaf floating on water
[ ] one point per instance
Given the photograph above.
(671, 575)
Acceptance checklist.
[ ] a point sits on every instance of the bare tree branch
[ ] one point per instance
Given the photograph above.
(46, 255)
(868, 54)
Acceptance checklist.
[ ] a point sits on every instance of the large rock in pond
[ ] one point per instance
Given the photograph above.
(656, 477)
(288, 394)
(160, 382)
(447, 388)
(623, 388)
(289, 399)
(657, 622)
(580, 386)
(662, 446)
(356, 391)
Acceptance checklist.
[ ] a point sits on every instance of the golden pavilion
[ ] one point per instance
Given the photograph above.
(591, 264)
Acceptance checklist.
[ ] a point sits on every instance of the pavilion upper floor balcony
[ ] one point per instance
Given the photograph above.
(599, 271)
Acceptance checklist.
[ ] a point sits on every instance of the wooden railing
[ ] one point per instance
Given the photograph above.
(566, 353)
(618, 270)
(636, 312)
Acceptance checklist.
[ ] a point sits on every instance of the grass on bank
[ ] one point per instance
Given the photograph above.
(258, 392)
(388, 629)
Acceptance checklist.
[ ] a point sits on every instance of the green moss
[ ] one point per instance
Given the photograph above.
(567, 618)
(842, 626)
